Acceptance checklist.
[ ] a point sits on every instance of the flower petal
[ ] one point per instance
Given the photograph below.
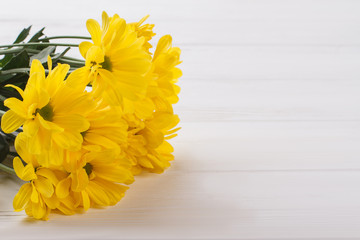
(80, 180)
(85, 200)
(79, 78)
(44, 186)
(63, 188)
(84, 48)
(73, 122)
(22, 197)
(25, 173)
(94, 30)
(20, 91)
(10, 121)
(97, 194)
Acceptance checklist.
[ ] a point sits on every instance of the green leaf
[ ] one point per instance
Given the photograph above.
(37, 35)
(5, 77)
(19, 79)
(21, 37)
(21, 60)
(42, 56)
(58, 56)
(5, 59)
(24, 33)
(4, 148)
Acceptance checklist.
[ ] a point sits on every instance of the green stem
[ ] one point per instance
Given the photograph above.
(40, 44)
(72, 62)
(7, 169)
(63, 37)
(14, 50)
(25, 70)
(29, 50)
(71, 58)
(18, 70)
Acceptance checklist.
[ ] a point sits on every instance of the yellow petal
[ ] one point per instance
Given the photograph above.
(20, 91)
(84, 48)
(94, 54)
(163, 44)
(22, 197)
(85, 200)
(49, 125)
(105, 21)
(79, 78)
(26, 173)
(10, 121)
(49, 174)
(37, 67)
(52, 202)
(55, 79)
(96, 139)
(20, 146)
(56, 155)
(63, 188)
(44, 186)
(34, 195)
(94, 30)
(68, 140)
(80, 180)
(31, 127)
(144, 162)
(39, 210)
(113, 174)
(49, 63)
(73, 122)
(97, 194)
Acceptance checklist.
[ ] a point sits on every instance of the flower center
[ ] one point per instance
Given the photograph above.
(83, 134)
(107, 64)
(88, 168)
(46, 112)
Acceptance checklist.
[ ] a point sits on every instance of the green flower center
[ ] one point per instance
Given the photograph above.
(88, 168)
(83, 134)
(107, 64)
(46, 112)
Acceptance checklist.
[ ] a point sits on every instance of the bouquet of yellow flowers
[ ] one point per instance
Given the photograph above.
(83, 128)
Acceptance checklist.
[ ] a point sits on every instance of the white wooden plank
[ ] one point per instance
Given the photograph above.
(268, 146)
(212, 206)
(204, 22)
(269, 100)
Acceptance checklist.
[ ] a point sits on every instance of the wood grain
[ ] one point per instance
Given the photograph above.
(270, 109)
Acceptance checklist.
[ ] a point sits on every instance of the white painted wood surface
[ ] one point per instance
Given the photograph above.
(270, 109)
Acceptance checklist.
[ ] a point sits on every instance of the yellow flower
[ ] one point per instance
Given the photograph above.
(51, 113)
(107, 129)
(162, 89)
(38, 196)
(144, 31)
(147, 146)
(96, 179)
(116, 61)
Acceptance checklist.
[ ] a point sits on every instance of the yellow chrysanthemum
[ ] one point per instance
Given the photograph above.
(162, 88)
(107, 129)
(116, 61)
(147, 146)
(145, 31)
(38, 197)
(51, 113)
(95, 179)
(162, 91)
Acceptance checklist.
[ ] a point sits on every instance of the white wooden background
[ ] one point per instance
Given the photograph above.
(270, 109)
